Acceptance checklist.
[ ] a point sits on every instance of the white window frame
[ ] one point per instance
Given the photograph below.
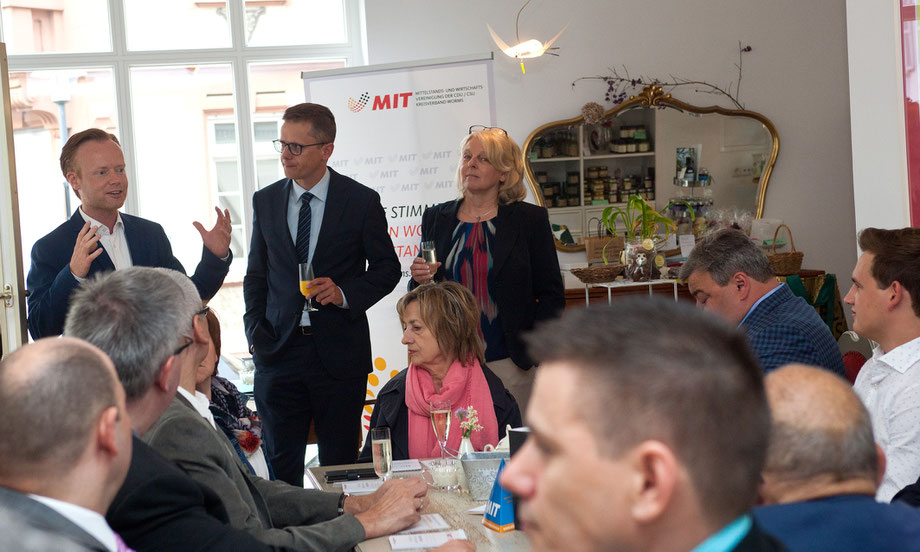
(239, 56)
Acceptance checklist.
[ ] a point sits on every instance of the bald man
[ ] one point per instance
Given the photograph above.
(60, 469)
(823, 469)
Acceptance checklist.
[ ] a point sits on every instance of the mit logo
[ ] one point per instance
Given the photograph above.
(358, 105)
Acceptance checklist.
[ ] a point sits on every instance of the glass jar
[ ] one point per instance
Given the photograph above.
(630, 146)
(643, 146)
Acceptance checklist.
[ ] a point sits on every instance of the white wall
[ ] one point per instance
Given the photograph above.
(796, 75)
(877, 114)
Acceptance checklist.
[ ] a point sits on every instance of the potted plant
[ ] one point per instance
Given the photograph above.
(641, 221)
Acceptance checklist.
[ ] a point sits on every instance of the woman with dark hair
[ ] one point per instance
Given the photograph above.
(228, 406)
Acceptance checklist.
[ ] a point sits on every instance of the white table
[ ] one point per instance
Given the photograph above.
(619, 284)
(451, 505)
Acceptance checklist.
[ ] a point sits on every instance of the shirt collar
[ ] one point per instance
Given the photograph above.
(88, 520)
(901, 357)
(199, 402)
(319, 190)
(728, 537)
(103, 229)
(759, 301)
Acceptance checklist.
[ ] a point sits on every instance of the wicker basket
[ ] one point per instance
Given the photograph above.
(785, 264)
(598, 274)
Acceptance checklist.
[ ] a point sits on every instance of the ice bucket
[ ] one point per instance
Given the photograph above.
(480, 469)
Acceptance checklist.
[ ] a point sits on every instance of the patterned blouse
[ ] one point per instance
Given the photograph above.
(469, 263)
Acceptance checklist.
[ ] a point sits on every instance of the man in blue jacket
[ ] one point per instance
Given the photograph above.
(99, 238)
(730, 276)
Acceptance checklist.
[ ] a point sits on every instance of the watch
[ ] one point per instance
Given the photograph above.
(341, 508)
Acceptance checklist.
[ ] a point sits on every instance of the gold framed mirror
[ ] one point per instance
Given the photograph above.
(655, 145)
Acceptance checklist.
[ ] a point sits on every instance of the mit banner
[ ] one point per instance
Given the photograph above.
(398, 132)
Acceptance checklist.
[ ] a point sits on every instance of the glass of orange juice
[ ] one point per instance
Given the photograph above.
(306, 278)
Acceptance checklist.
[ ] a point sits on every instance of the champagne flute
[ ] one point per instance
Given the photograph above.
(306, 277)
(440, 422)
(383, 452)
(428, 253)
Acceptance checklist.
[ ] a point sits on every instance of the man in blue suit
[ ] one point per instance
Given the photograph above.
(730, 276)
(313, 365)
(823, 468)
(94, 165)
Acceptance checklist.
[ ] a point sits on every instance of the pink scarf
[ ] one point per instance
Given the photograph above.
(462, 386)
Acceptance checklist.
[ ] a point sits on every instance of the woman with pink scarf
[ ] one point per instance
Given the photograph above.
(441, 331)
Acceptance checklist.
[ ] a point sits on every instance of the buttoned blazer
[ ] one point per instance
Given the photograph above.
(272, 511)
(50, 281)
(159, 507)
(528, 284)
(353, 248)
(785, 329)
(47, 520)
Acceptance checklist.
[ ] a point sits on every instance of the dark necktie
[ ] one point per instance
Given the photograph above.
(303, 228)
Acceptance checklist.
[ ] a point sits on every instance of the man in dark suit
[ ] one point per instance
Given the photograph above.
(61, 472)
(823, 469)
(674, 465)
(732, 277)
(138, 317)
(313, 365)
(98, 238)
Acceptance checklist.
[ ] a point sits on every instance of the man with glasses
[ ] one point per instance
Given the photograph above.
(313, 365)
(99, 238)
(139, 317)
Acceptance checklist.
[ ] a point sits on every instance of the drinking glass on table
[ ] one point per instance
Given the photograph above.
(306, 277)
(430, 255)
(383, 452)
(440, 422)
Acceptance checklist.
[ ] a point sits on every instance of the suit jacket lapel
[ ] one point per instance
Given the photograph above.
(277, 211)
(336, 203)
(140, 252)
(42, 517)
(506, 229)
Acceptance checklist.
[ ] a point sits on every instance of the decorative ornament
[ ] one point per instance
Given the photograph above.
(593, 112)
(527, 49)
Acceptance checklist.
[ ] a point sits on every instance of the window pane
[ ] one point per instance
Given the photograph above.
(174, 110)
(176, 24)
(228, 179)
(318, 22)
(64, 26)
(225, 133)
(267, 172)
(265, 131)
(87, 99)
(232, 204)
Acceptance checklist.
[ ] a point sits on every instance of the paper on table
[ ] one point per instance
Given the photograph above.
(411, 464)
(362, 486)
(481, 510)
(687, 241)
(425, 540)
(429, 522)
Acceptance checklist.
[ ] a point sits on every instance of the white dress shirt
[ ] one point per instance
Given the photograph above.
(889, 386)
(88, 520)
(115, 242)
(200, 403)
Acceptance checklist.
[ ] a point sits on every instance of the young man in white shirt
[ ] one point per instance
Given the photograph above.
(885, 300)
(60, 472)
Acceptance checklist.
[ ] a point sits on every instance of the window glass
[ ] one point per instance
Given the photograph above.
(44, 102)
(318, 22)
(62, 26)
(265, 131)
(176, 25)
(176, 112)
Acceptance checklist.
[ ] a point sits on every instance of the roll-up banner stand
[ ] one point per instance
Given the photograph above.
(399, 127)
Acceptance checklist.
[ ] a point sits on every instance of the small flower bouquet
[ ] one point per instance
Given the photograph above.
(469, 420)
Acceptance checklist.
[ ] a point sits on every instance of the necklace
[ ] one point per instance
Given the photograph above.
(479, 216)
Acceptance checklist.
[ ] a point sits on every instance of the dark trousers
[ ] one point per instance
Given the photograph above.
(296, 389)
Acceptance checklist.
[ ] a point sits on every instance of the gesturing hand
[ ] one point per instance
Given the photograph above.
(217, 239)
(396, 505)
(85, 250)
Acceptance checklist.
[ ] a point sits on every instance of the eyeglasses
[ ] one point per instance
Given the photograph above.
(295, 149)
(204, 311)
(477, 128)
(183, 347)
